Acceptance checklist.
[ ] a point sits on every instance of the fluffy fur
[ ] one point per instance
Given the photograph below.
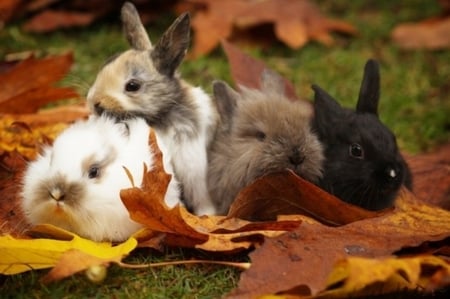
(76, 183)
(363, 164)
(261, 132)
(142, 82)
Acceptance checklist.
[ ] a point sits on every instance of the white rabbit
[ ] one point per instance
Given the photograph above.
(142, 82)
(76, 183)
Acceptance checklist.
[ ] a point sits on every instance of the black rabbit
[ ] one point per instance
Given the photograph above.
(363, 165)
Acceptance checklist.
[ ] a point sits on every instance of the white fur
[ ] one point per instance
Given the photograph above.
(189, 155)
(99, 214)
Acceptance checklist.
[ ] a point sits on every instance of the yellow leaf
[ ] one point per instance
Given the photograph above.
(356, 275)
(20, 255)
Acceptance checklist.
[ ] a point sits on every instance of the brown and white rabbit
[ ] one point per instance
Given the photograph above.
(75, 184)
(143, 82)
(261, 132)
(363, 165)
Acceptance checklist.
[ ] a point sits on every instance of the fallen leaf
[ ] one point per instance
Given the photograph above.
(303, 259)
(361, 277)
(20, 255)
(246, 70)
(432, 169)
(295, 22)
(285, 193)
(73, 261)
(7, 9)
(12, 220)
(432, 34)
(50, 20)
(26, 133)
(16, 83)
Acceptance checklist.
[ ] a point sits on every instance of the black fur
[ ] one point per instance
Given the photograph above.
(372, 180)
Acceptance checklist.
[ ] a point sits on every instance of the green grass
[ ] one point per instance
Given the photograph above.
(415, 104)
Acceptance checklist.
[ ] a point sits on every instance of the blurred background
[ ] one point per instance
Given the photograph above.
(326, 42)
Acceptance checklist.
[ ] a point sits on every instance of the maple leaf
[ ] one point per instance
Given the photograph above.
(295, 22)
(179, 228)
(310, 252)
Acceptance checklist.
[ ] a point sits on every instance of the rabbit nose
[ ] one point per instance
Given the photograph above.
(296, 158)
(392, 173)
(56, 193)
(98, 109)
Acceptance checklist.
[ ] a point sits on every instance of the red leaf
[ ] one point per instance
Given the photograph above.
(247, 70)
(50, 20)
(29, 83)
(285, 193)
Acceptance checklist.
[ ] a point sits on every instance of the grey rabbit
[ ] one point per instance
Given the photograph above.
(363, 165)
(261, 131)
(143, 82)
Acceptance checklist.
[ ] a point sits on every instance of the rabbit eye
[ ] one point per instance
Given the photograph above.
(260, 135)
(94, 171)
(133, 85)
(356, 151)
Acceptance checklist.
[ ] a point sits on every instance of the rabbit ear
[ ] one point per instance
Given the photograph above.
(272, 82)
(171, 48)
(226, 99)
(369, 94)
(326, 109)
(134, 29)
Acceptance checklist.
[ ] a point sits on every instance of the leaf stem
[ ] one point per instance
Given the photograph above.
(243, 266)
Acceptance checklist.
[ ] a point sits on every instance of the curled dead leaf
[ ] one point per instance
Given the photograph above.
(285, 193)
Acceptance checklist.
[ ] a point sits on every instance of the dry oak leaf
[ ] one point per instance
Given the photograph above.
(303, 259)
(295, 22)
(432, 34)
(20, 255)
(20, 94)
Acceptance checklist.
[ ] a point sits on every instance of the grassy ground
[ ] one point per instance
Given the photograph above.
(415, 104)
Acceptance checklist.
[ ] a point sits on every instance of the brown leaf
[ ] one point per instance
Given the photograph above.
(432, 169)
(50, 20)
(432, 34)
(301, 260)
(285, 193)
(295, 22)
(7, 9)
(146, 205)
(183, 229)
(214, 23)
(36, 129)
(17, 83)
(12, 220)
(74, 261)
(247, 70)
(31, 100)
